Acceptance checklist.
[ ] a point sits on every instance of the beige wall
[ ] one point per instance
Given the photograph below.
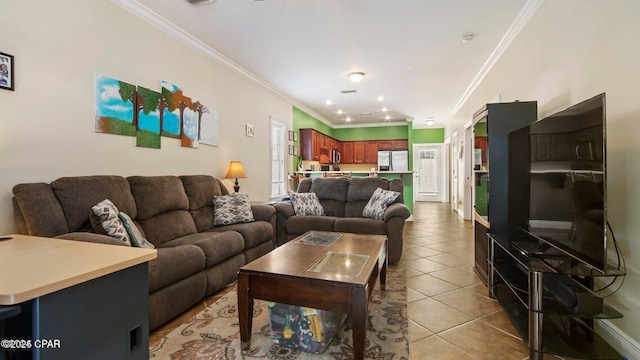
(48, 122)
(572, 50)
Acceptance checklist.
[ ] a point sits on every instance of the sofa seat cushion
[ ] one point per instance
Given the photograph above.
(254, 233)
(168, 226)
(360, 226)
(301, 224)
(217, 246)
(174, 264)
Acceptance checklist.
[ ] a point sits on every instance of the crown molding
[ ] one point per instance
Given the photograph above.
(146, 14)
(516, 27)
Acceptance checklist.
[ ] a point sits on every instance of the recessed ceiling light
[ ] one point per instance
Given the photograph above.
(356, 77)
(380, 98)
(365, 113)
(348, 119)
(329, 102)
(387, 117)
(384, 109)
(339, 112)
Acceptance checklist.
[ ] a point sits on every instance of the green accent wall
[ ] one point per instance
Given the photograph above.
(480, 129)
(372, 133)
(421, 136)
(302, 120)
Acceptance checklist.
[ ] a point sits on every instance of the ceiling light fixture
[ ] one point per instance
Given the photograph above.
(466, 38)
(387, 117)
(348, 119)
(329, 102)
(339, 112)
(200, 2)
(384, 109)
(380, 98)
(429, 121)
(356, 77)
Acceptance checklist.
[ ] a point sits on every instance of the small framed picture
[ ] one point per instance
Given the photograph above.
(6, 71)
(291, 135)
(295, 136)
(291, 149)
(295, 151)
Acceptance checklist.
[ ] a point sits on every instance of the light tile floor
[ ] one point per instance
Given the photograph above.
(450, 313)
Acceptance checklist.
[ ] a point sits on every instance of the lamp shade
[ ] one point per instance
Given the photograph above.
(235, 170)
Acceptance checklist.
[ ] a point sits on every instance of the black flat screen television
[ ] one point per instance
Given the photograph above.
(557, 181)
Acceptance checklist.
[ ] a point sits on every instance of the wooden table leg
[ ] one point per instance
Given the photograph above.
(383, 275)
(245, 311)
(359, 320)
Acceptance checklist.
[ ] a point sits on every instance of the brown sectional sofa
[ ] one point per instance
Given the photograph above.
(343, 201)
(195, 258)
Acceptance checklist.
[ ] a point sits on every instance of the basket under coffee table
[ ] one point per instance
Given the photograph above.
(321, 270)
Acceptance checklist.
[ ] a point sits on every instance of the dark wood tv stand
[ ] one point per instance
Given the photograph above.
(547, 295)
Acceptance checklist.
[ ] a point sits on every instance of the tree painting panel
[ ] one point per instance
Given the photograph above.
(209, 126)
(115, 102)
(170, 120)
(148, 113)
(190, 113)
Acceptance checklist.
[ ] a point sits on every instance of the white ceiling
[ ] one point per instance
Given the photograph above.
(410, 50)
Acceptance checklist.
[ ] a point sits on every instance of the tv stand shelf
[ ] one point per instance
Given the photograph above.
(547, 296)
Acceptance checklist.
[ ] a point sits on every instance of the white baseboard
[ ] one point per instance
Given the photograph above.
(627, 347)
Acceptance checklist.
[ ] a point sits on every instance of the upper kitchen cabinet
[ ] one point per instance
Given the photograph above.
(346, 150)
(370, 152)
(393, 144)
(316, 146)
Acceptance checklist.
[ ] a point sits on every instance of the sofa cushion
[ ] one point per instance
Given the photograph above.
(173, 264)
(157, 194)
(104, 220)
(232, 209)
(254, 233)
(38, 211)
(200, 190)
(216, 246)
(136, 235)
(360, 226)
(306, 203)
(168, 226)
(79, 193)
(330, 188)
(378, 203)
(297, 225)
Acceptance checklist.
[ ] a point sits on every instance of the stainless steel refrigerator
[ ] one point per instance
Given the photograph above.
(393, 160)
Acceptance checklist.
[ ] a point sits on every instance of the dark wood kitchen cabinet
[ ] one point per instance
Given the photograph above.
(371, 152)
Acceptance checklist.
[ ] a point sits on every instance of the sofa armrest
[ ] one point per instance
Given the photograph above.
(396, 210)
(263, 212)
(91, 237)
(285, 209)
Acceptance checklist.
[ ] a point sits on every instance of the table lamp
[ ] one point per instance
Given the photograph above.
(235, 171)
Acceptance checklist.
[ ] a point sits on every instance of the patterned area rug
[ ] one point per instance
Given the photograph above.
(214, 332)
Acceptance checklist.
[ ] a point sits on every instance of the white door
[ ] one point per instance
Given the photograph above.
(428, 165)
(454, 171)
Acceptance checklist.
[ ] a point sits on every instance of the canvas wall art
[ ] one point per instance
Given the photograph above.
(171, 121)
(209, 126)
(148, 118)
(114, 106)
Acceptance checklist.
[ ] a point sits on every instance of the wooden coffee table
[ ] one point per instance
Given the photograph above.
(336, 277)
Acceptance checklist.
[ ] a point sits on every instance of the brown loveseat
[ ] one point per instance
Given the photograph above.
(343, 201)
(195, 258)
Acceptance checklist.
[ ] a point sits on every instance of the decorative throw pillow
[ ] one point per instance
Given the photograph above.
(135, 233)
(378, 203)
(232, 209)
(306, 203)
(105, 221)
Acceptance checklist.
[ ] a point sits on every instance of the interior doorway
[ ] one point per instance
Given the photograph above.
(429, 179)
